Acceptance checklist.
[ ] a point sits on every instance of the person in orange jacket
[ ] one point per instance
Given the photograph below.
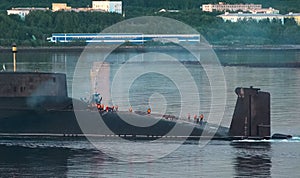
(148, 111)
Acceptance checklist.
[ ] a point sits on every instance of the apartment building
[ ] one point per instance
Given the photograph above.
(23, 11)
(108, 6)
(221, 6)
(235, 17)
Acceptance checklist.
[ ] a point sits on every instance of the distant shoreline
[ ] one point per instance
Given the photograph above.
(142, 48)
(257, 47)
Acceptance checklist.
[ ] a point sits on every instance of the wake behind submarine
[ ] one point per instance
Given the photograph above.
(37, 104)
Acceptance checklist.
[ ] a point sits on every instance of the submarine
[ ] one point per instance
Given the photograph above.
(37, 104)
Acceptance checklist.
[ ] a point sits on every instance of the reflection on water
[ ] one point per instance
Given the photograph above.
(50, 158)
(252, 159)
(17, 161)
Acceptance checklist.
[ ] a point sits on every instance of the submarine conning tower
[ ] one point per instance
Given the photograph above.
(31, 84)
(251, 117)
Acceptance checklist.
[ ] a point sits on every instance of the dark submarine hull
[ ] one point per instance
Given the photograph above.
(56, 116)
(35, 103)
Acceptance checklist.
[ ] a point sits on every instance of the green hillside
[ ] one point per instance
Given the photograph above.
(38, 25)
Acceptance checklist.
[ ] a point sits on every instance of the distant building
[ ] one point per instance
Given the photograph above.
(235, 17)
(265, 11)
(221, 6)
(165, 10)
(108, 6)
(23, 11)
(113, 38)
(295, 16)
(60, 6)
(86, 9)
(99, 6)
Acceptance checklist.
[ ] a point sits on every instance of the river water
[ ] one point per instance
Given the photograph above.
(166, 86)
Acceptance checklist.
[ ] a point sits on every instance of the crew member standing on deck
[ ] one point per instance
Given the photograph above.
(101, 107)
(97, 98)
(195, 118)
(201, 119)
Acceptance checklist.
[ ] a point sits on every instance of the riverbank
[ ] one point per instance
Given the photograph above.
(257, 47)
(150, 48)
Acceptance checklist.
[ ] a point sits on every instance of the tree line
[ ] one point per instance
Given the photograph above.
(39, 25)
(284, 6)
(216, 31)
